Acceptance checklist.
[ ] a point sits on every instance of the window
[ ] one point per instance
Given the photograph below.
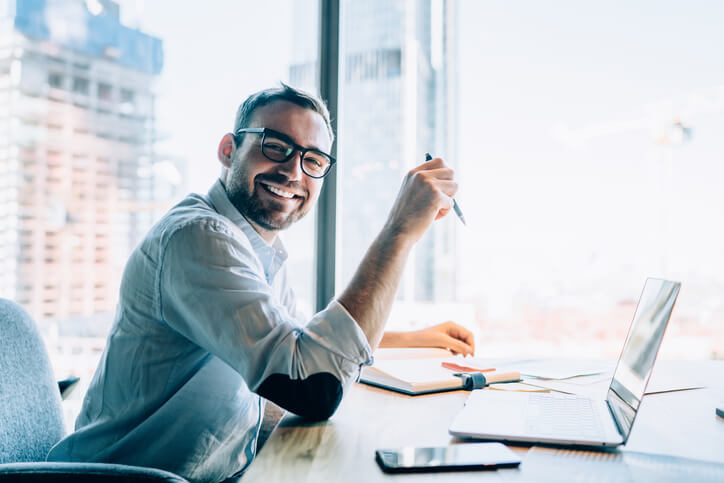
(376, 64)
(174, 108)
(80, 85)
(105, 92)
(591, 158)
(585, 161)
(394, 108)
(127, 95)
(55, 80)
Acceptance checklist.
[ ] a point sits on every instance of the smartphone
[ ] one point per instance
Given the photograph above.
(456, 457)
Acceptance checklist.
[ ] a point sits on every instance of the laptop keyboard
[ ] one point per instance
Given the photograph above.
(564, 416)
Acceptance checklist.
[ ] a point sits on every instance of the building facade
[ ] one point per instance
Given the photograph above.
(397, 102)
(76, 153)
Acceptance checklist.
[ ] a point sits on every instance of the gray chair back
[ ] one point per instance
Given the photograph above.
(31, 417)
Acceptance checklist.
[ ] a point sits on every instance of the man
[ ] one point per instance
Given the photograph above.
(206, 323)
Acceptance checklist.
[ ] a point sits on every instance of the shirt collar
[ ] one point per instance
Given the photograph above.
(272, 256)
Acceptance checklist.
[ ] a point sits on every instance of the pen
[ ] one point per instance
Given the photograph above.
(457, 209)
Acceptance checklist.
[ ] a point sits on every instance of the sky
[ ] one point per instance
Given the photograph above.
(564, 103)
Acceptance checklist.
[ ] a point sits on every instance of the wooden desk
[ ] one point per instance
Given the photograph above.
(342, 449)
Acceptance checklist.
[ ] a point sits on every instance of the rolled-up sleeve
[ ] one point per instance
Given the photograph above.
(213, 292)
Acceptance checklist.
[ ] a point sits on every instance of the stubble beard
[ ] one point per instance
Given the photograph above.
(242, 194)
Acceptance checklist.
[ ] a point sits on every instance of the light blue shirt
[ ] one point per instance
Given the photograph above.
(205, 316)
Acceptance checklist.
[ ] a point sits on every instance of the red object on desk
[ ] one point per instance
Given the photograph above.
(456, 367)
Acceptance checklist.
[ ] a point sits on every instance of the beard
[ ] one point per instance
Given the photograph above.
(242, 194)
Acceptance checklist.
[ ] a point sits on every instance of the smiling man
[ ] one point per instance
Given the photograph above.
(207, 332)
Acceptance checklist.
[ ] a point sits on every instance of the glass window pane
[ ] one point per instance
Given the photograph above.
(114, 113)
(396, 105)
(590, 144)
(587, 153)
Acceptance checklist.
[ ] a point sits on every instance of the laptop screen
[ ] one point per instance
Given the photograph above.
(639, 352)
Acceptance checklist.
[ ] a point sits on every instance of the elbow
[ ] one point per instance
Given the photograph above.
(321, 411)
(315, 398)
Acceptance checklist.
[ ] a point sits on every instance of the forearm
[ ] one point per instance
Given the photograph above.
(447, 335)
(424, 197)
(395, 339)
(369, 296)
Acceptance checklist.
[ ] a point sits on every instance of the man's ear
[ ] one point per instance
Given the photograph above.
(227, 147)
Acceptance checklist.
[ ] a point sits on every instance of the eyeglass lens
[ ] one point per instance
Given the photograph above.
(313, 163)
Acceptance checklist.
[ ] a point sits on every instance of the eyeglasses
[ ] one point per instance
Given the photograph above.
(280, 148)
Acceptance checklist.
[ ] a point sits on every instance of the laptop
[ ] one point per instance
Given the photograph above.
(578, 420)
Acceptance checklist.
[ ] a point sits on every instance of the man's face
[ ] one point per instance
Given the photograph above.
(270, 195)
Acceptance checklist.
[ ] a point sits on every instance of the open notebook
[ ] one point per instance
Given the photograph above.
(421, 371)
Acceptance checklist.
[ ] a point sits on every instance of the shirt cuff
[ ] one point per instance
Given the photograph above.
(370, 358)
(348, 340)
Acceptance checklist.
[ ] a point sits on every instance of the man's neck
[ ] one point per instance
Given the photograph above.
(267, 235)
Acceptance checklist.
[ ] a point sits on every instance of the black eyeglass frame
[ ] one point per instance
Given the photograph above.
(302, 150)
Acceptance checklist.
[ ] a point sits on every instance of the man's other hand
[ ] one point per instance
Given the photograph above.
(447, 335)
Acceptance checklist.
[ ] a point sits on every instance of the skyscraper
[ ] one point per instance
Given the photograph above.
(76, 152)
(397, 102)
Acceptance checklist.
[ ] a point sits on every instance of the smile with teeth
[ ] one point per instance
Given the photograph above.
(279, 192)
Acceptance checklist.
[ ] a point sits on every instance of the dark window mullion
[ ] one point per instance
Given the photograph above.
(327, 208)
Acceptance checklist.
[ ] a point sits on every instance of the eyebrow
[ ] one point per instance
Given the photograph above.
(289, 138)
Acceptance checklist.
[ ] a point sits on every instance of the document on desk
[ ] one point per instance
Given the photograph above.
(596, 385)
(517, 387)
(665, 382)
(560, 369)
(549, 464)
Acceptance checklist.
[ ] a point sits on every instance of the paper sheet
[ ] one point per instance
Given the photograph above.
(517, 387)
(596, 385)
(561, 369)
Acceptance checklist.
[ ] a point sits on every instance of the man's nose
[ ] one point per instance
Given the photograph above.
(292, 167)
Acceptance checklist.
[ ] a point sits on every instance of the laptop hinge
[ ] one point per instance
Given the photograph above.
(615, 421)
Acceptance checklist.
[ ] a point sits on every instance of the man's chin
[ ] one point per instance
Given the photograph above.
(265, 216)
(277, 223)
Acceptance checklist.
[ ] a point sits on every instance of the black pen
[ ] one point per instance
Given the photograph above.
(457, 209)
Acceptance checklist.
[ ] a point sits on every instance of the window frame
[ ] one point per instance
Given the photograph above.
(326, 224)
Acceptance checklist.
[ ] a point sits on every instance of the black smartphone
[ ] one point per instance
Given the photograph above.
(456, 457)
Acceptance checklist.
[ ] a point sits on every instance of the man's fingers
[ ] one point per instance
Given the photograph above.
(436, 167)
(442, 213)
(426, 194)
(459, 332)
(432, 164)
(463, 335)
(447, 187)
(441, 173)
(457, 346)
(444, 205)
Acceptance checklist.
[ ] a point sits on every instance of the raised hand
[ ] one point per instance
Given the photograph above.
(426, 195)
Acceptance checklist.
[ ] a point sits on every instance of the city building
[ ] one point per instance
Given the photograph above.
(78, 171)
(397, 102)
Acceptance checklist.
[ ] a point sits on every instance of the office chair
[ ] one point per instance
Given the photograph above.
(31, 418)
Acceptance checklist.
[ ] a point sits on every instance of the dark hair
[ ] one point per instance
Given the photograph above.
(283, 93)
